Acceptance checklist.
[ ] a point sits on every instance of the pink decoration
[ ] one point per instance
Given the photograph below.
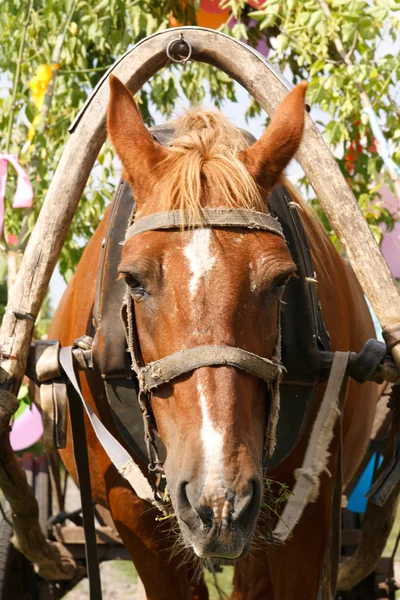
(12, 240)
(262, 48)
(24, 193)
(27, 429)
(391, 240)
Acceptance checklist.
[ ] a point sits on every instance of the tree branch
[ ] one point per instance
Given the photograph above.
(55, 59)
(393, 103)
(90, 70)
(352, 47)
(17, 77)
(365, 101)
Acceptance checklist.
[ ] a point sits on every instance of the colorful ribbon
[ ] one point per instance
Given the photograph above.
(23, 194)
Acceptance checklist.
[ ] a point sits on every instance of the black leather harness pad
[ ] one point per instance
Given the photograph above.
(303, 331)
(303, 328)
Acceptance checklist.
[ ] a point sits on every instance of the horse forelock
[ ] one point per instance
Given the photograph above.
(203, 167)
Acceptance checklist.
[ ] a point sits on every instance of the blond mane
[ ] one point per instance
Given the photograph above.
(205, 150)
(204, 156)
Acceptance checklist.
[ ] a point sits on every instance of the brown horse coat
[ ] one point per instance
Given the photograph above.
(282, 572)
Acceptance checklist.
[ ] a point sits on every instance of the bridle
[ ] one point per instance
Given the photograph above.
(152, 375)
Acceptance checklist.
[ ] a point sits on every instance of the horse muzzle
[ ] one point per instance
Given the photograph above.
(220, 525)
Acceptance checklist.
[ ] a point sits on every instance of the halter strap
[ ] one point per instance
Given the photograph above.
(166, 369)
(208, 217)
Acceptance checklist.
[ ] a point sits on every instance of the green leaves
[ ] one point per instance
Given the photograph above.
(98, 34)
(302, 39)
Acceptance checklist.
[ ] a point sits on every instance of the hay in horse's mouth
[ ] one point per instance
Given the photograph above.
(273, 502)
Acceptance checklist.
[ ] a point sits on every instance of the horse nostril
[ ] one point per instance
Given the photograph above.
(184, 505)
(182, 496)
(205, 513)
(242, 502)
(247, 505)
(189, 502)
(243, 507)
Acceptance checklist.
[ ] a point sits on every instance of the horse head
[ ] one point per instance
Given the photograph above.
(207, 287)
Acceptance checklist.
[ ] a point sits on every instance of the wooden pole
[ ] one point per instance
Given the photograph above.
(52, 560)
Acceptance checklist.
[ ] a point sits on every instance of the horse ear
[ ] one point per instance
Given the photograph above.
(267, 158)
(138, 151)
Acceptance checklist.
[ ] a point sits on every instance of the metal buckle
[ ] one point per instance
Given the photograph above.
(182, 46)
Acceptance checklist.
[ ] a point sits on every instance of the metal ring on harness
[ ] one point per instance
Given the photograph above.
(20, 314)
(182, 43)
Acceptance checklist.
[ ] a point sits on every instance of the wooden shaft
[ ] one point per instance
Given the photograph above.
(378, 524)
(379, 521)
(52, 561)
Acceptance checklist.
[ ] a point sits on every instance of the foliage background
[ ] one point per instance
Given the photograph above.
(92, 36)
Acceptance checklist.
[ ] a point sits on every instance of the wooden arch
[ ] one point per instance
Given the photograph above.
(88, 133)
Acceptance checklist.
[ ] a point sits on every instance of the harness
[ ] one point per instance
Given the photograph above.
(302, 345)
(155, 374)
(303, 331)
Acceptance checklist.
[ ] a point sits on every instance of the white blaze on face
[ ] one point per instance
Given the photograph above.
(213, 442)
(198, 253)
(201, 261)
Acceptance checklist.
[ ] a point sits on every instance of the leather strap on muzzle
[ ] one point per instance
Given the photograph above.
(166, 369)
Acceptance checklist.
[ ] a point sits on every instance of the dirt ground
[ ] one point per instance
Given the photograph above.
(118, 581)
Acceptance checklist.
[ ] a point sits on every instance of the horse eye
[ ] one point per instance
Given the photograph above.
(135, 287)
(280, 283)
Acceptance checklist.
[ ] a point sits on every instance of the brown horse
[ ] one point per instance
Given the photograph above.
(215, 287)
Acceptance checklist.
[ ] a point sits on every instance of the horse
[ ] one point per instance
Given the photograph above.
(206, 286)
